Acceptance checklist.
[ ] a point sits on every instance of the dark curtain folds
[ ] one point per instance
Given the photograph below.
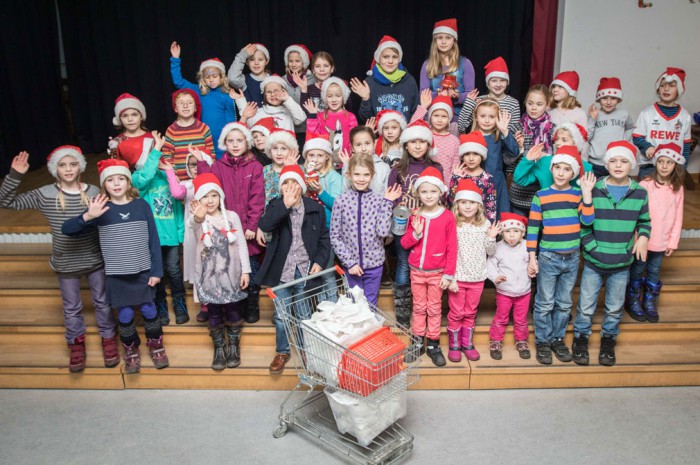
(544, 38)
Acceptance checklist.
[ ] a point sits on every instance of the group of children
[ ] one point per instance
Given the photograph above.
(229, 185)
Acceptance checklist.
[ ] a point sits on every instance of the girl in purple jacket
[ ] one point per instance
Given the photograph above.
(360, 221)
(241, 176)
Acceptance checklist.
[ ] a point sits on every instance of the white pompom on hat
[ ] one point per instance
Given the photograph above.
(673, 74)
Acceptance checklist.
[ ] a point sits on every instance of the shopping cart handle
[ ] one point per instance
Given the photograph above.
(339, 270)
(336, 269)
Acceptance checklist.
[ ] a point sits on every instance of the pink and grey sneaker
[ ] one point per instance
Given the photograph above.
(523, 349)
(496, 349)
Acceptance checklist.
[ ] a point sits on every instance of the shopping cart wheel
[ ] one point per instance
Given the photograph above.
(281, 431)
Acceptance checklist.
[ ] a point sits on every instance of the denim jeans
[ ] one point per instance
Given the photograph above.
(555, 283)
(288, 296)
(330, 282)
(73, 305)
(652, 266)
(171, 271)
(591, 283)
(403, 275)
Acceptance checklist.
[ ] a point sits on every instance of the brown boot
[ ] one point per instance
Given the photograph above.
(278, 363)
(77, 354)
(110, 352)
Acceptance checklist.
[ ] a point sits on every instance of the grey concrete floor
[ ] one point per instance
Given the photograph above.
(574, 426)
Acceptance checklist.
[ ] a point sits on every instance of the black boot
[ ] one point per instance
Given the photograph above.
(435, 353)
(233, 358)
(606, 356)
(579, 350)
(250, 308)
(402, 305)
(219, 340)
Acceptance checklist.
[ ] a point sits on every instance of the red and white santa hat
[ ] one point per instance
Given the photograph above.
(609, 87)
(384, 116)
(417, 130)
(442, 102)
(621, 148)
(276, 79)
(568, 154)
(203, 185)
(57, 155)
(430, 175)
(126, 101)
(293, 172)
(468, 190)
(446, 26)
(317, 142)
(135, 150)
(497, 68)
(386, 42)
(263, 49)
(283, 136)
(235, 126)
(474, 142)
(110, 167)
(568, 80)
(513, 221)
(578, 134)
(672, 151)
(302, 50)
(344, 89)
(213, 63)
(263, 126)
(673, 74)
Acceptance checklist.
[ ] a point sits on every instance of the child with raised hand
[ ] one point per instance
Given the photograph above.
(282, 149)
(71, 257)
(218, 108)
(607, 124)
(446, 72)
(242, 179)
(360, 221)
(535, 127)
(663, 122)
(494, 124)
(389, 86)
(130, 120)
(563, 105)
(431, 240)
(299, 247)
(473, 151)
(497, 80)
(440, 111)
(362, 140)
(476, 239)
(666, 195)
(278, 104)
(260, 131)
(256, 57)
(297, 58)
(186, 132)
(507, 268)
(322, 68)
(390, 124)
(618, 235)
(335, 119)
(553, 242)
(222, 269)
(132, 256)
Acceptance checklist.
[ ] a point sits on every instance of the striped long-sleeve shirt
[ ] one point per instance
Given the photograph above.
(177, 140)
(608, 241)
(507, 103)
(558, 214)
(70, 256)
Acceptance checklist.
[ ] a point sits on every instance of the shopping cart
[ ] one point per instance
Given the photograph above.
(372, 370)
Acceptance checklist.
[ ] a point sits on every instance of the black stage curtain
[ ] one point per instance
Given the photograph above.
(32, 115)
(123, 46)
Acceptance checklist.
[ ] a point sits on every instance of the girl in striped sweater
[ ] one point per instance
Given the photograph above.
(71, 257)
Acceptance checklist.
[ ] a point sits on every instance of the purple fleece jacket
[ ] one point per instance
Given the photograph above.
(415, 168)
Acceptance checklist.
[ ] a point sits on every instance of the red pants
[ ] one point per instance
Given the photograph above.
(464, 304)
(520, 306)
(427, 303)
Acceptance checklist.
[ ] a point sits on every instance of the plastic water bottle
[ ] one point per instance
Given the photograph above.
(400, 223)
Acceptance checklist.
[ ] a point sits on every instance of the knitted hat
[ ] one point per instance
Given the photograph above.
(672, 151)
(238, 126)
(193, 94)
(126, 101)
(497, 68)
(213, 63)
(135, 150)
(446, 26)
(264, 50)
(384, 116)
(386, 42)
(468, 190)
(293, 172)
(344, 89)
(284, 136)
(432, 176)
(578, 134)
(569, 155)
(442, 102)
(64, 151)
(264, 126)
(317, 142)
(110, 167)
(673, 74)
(417, 130)
(568, 80)
(609, 87)
(203, 185)
(473, 142)
(302, 50)
(621, 148)
(273, 78)
(206, 157)
(513, 221)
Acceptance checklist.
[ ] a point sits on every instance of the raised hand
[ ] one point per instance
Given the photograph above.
(494, 230)
(344, 156)
(300, 81)
(96, 208)
(593, 111)
(311, 107)
(587, 182)
(159, 140)
(473, 94)
(175, 50)
(164, 165)
(249, 49)
(503, 122)
(535, 152)
(372, 124)
(284, 95)
(198, 211)
(393, 193)
(460, 170)
(292, 158)
(291, 193)
(417, 223)
(235, 94)
(361, 88)
(426, 98)
(520, 139)
(196, 153)
(21, 162)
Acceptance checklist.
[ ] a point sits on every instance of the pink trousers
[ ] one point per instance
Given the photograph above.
(427, 303)
(520, 306)
(463, 304)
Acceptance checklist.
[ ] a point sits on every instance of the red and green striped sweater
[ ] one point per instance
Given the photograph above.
(177, 140)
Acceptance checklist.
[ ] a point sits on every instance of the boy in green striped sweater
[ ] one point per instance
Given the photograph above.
(619, 232)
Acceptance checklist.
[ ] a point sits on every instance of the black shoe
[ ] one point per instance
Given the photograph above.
(561, 351)
(607, 351)
(181, 314)
(162, 308)
(579, 350)
(252, 306)
(435, 353)
(544, 353)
